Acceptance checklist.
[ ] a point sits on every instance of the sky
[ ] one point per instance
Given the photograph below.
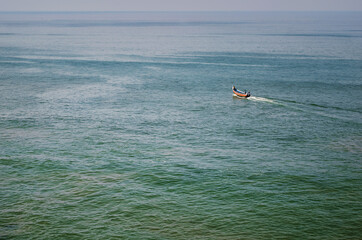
(180, 5)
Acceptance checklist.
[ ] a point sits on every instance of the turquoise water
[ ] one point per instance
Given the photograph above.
(123, 126)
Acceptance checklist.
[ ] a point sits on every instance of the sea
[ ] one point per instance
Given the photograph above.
(123, 125)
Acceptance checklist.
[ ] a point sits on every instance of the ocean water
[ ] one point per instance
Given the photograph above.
(123, 125)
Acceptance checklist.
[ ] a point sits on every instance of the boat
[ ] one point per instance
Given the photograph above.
(238, 93)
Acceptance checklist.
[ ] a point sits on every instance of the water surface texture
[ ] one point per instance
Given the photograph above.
(123, 125)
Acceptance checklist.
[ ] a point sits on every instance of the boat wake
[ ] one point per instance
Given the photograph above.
(317, 109)
(261, 99)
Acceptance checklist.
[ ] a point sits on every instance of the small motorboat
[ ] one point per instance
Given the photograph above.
(238, 93)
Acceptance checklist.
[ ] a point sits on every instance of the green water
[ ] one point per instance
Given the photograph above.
(123, 126)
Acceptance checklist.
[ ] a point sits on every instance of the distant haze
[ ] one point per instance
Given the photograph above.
(180, 5)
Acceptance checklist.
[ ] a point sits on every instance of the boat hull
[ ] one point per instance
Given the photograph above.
(240, 94)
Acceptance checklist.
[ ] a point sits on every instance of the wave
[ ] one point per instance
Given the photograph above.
(11, 62)
(263, 56)
(7, 34)
(85, 92)
(352, 144)
(312, 35)
(114, 23)
(31, 70)
(128, 60)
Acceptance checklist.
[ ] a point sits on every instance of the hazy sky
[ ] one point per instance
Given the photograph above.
(180, 5)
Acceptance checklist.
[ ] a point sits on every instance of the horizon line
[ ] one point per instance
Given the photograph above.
(165, 11)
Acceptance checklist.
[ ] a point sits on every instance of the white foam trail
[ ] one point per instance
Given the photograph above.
(261, 99)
